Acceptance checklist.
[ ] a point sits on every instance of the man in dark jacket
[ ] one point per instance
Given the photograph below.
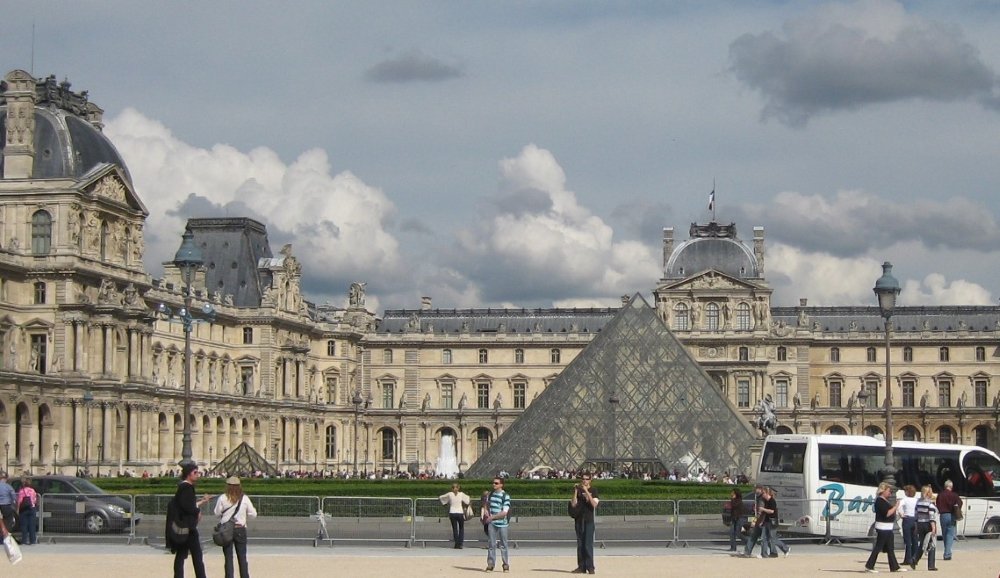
(947, 502)
(189, 514)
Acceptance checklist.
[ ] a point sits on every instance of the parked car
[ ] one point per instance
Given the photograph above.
(71, 504)
(748, 502)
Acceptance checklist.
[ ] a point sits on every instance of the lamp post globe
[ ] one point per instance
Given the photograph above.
(886, 290)
(187, 260)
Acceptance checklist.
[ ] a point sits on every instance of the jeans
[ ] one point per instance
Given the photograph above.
(772, 539)
(497, 533)
(910, 538)
(29, 526)
(457, 528)
(927, 541)
(757, 532)
(193, 547)
(949, 528)
(884, 542)
(240, 545)
(734, 532)
(584, 543)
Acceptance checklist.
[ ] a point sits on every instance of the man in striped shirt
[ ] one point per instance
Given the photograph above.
(499, 508)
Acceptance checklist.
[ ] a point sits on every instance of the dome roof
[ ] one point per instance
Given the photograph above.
(68, 141)
(712, 248)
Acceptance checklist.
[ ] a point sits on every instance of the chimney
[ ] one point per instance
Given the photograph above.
(668, 246)
(758, 248)
(803, 301)
(19, 150)
(425, 303)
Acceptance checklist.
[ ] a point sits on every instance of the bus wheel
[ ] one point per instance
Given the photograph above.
(992, 529)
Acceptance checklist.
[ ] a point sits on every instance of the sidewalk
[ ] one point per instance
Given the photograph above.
(973, 558)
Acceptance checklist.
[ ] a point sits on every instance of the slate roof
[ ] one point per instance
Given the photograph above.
(568, 320)
(232, 248)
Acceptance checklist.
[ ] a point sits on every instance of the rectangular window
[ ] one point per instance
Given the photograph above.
(484, 356)
(909, 392)
(40, 293)
(38, 353)
(981, 386)
(980, 353)
(483, 395)
(446, 357)
(871, 388)
(743, 393)
(331, 348)
(331, 442)
(246, 380)
(518, 356)
(555, 356)
(786, 457)
(835, 354)
(247, 335)
(447, 396)
(908, 354)
(944, 393)
(387, 356)
(944, 354)
(520, 395)
(331, 389)
(872, 356)
(782, 354)
(781, 392)
(388, 395)
(836, 388)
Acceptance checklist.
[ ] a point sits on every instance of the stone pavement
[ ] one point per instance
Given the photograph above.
(973, 558)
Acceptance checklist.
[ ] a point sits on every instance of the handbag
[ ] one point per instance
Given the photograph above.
(174, 533)
(957, 513)
(469, 512)
(222, 534)
(574, 511)
(10, 545)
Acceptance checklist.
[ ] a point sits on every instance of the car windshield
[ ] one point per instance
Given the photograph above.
(86, 487)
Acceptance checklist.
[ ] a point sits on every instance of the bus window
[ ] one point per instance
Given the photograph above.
(783, 457)
(981, 474)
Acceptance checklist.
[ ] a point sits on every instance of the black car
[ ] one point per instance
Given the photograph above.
(71, 504)
(748, 502)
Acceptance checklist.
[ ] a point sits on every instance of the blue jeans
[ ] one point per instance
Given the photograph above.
(239, 544)
(948, 529)
(910, 539)
(584, 543)
(734, 532)
(29, 526)
(757, 532)
(497, 533)
(771, 532)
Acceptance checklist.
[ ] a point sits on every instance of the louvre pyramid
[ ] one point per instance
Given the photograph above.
(244, 461)
(669, 411)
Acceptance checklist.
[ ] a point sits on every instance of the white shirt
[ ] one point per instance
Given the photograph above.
(908, 506)
(456, 502)
(239, 514)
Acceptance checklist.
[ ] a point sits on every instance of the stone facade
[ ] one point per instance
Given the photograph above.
(92, 372)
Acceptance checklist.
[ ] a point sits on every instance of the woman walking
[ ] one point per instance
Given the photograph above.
(457, 501)
(236, 506)
(885, 516)
(737, 517)
(926, 527)
(908, 512)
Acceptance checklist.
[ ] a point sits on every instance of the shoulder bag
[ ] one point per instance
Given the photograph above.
(574, 511)
(222, 534)
(175, 533)
(957, 514)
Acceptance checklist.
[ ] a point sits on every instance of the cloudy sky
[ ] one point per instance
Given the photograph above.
(529, 153)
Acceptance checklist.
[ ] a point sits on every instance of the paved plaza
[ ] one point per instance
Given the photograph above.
(973, 558)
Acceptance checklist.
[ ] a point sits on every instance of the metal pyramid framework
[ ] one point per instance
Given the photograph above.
(634, 399)
(244, 461)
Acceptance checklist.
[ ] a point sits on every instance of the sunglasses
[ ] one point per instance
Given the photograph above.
(496, 483)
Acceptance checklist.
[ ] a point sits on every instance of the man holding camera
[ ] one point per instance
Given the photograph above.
(586, 497)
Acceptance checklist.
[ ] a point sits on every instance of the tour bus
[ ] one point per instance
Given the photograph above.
(828, 482)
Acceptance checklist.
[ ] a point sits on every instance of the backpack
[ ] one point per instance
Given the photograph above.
(175, 532)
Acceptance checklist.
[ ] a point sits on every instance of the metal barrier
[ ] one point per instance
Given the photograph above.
(367, 519)
(103, 516)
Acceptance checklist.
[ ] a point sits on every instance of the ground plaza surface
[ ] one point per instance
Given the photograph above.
(972, 558)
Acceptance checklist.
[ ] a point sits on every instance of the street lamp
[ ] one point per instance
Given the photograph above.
(614, 401)
(88, 399)
(6, 456)
(863, 400)
(187, 260)
(209, 457)
(76, 456)
(887, 289)
(357, 400)
(31, 455)
(55, 456)
(100, 452)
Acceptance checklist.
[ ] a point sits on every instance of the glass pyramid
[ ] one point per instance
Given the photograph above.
(633, 400)
(244, 461)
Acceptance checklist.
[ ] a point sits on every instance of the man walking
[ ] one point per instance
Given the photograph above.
(757, 531)
(947, 503)
(496, 518)
(586, 497)
(771, 525)
(8, 497)
(189, 514)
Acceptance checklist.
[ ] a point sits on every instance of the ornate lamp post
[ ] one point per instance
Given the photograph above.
(100, 452)
(863, 401)
(31, 455)
(55, 456)
(187, 260)
(614, 401)
(887, 289)
(76, 456)
(88, 399)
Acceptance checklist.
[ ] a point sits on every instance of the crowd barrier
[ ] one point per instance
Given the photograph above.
(423, 521)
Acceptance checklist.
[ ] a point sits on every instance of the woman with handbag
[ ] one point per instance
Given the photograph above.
(27, 511)
(236, 507)
(458, 505)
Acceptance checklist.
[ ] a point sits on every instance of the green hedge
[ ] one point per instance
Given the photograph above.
(522, 489)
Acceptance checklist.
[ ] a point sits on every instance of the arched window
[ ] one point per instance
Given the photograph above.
(682, 317)
(712, 316)
(331, 442)
(388, 444)
(911, 434)
(41, 233)
(743, 317)
(946, 435)
(836, 430)
(782, 353)
(872, 431)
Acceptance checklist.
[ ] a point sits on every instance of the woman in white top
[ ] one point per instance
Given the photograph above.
(908, 512)
(244, 509)
(457, 501)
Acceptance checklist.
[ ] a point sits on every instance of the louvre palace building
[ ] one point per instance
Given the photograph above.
(92, 367)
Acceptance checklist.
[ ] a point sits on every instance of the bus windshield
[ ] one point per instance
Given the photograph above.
(783, 457)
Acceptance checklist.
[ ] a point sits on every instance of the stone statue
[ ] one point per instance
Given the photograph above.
(695, 315)
(923, 400)
(33, 359)
(963, 400)
(853, 325)
(498, 402)
(815, 401)
(803, 320)
(426, 403)
(727, 314)
(402, 402)
(356, 296)
(767, 420)
(796, 400)
(463, 402)
(852, 401)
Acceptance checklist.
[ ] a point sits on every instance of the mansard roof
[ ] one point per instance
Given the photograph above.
(568, 320)
(231, 249)
(984, 318)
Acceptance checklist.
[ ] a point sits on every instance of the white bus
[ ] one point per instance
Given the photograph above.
(831, 479)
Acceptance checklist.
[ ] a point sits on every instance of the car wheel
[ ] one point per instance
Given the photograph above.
(95, 523)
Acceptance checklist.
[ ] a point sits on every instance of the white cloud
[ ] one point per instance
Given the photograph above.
(936, 290)
(337, 223)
